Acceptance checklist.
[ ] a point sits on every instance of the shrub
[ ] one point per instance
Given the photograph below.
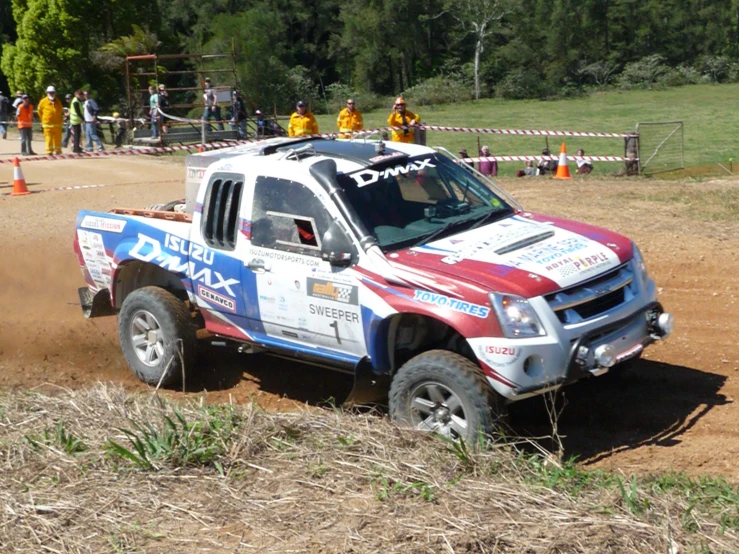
(521, 83)
(643, 73)
(439, 90)
(715, 68)
(338, 93)
(679, 76)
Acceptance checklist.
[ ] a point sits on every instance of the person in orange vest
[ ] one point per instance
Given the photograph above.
(405, 119)
(24, 115)
(349, 120)
(51, 112)
(302, 122)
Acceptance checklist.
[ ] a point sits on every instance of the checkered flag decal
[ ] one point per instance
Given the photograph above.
(345, 293)
(567, 270)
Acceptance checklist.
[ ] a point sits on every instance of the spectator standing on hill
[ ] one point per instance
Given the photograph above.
(51, 112)
(212, 109)
(489, 168)
(154, 111)
(238, 114)
(406, 120)
(302, 122)
(91, 111)
(349, 120)
(24, 115)
(4, 114)
(583, 166)
(76, 118)
(66, 127)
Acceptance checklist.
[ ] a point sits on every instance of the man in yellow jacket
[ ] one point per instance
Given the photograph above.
(405, 119)
(51, 112)
(349, 120)
(302, 122)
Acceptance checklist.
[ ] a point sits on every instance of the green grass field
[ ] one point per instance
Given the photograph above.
(710, 114)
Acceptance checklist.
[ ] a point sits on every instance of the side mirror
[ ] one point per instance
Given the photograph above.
(336, 247)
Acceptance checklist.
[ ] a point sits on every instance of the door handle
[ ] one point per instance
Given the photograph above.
(258, 266)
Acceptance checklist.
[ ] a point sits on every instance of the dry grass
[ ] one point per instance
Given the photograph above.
(320, 482)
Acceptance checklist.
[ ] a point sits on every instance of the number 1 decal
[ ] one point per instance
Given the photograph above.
(335, 325)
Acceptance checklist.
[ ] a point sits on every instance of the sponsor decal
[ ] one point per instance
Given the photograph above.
(550, 252)
(183, 246)
(148, 249)
(571, 265)
(334, 313)
(369, 176)
(310, 261)
(500, 356)
(500, 270)
(195, 172)
(267, 299)
(103, 223)
(376, 159)
(216, 298)
(328, 290)
(451, 303)
(501, 350)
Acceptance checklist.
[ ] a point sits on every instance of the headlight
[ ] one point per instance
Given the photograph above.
(516, 316)
(639, 264)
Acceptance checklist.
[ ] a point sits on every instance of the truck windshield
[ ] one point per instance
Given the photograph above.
(412, 201)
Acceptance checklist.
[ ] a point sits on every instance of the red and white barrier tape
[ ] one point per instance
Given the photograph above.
(553, 158)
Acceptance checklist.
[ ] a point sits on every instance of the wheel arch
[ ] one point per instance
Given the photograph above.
(134, 274)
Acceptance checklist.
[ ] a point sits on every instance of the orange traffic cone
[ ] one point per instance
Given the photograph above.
(19, 182)
(563, 172)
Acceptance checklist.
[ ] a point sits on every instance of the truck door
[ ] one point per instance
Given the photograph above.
(216, 253)
(302, 299)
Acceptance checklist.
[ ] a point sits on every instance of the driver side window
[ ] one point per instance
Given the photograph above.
(287, 216)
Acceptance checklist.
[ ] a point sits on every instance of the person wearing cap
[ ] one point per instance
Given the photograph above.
(238, 114)
(464, 155)
(76, 118)
(24, 115)
(164, 107)
(18, 98)
(91, 110)
(261, 124)
(302, 122)
(210, 100)
(67, 128)
(349, 120)
(403, 122)
(51, 112)
(4, 114)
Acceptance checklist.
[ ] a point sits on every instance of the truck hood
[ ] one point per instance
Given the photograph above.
(525, 254)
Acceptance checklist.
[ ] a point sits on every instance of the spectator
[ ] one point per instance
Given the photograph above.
(546, 165)
(261, 124)
(4, 114)
(404, 119)
(154, 112)
(349, 120)
(91, 111)
(212, 109)
(76, 117)
(302, 122)
(51, 112)
(489, 168)
(66, 129)
(238, 114)
(24, 115)
(163, 107)
(529, 170)
(121, 126)
(18, 98)
(583, 166)
(464, 155)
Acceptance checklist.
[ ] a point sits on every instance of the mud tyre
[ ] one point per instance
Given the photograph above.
(444, 393)
(157, 336)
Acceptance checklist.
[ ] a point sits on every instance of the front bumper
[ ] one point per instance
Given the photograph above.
(520, 368)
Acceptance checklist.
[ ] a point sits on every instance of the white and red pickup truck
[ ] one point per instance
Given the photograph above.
(391, 261)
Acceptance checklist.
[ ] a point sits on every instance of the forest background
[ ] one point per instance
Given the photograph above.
(431, 51)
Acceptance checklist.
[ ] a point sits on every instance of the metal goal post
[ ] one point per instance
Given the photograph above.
(661, 146)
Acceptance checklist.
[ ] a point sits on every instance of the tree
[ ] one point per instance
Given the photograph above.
(480, 19)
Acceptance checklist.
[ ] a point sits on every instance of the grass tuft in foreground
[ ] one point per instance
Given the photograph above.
(101, 470)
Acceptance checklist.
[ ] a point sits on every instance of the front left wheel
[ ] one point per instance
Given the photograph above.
(445, 393)
(157, 336)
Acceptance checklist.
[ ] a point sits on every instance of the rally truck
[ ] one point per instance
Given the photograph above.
(394, 262)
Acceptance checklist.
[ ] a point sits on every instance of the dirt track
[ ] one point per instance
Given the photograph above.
(676, 410)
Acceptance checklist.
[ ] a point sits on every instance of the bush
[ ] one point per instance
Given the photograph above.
(521, 83)
(644, 73)
(439, 90)
(715, 68)
(679, 76)
(338, 93)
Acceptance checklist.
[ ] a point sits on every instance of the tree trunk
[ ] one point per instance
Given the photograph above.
(478, 50)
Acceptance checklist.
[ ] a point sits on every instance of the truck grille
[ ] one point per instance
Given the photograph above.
(593, 298)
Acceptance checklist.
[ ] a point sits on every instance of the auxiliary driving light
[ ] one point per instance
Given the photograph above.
(665, 323)
(605, 355)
